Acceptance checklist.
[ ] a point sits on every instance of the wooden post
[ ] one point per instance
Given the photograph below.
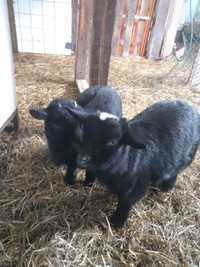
(117, 26)
(129, 27)
(103, 22)
(157, 34)
(194, 79)
(171, 27)
(83, 44)
(12, 26)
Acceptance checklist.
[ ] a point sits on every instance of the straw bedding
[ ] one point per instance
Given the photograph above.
(45, 223)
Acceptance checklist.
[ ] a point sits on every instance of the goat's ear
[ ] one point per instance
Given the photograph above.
(80, 115)
(40, 114)
(85, 98)
(129, 138)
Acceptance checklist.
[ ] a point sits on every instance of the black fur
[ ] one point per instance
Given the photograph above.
(64, 132)
(151, 149)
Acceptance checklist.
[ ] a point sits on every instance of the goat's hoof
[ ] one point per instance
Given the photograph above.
(116, 223)
(68, 181)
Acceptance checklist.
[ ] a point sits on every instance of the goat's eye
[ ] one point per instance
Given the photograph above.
(111, 142)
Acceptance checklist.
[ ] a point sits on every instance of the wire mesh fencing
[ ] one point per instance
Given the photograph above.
(43, 26)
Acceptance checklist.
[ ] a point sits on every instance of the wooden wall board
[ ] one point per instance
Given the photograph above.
(171, 27)
(144, 5)
(135, 27)
(123, 27)
(158, 30)
(117, 26)
(147, 27)
(129, 26)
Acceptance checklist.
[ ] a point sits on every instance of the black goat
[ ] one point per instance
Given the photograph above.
(63, 132)
(151, 149)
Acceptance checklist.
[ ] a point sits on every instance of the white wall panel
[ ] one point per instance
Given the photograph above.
(8, 102)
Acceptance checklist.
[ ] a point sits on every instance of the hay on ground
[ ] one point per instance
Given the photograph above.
(45, 223)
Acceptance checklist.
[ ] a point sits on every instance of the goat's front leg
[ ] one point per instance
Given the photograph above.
(71, 174)
(121, 214)
(89, 178)
(126, 199)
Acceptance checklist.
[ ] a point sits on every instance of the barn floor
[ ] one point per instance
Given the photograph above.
(45, 223)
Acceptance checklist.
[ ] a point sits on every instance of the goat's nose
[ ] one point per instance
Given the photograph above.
(85, 158)
(83, 161)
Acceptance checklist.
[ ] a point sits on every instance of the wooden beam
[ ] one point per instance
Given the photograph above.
(12, 26)
(83, 40)
(129, 27)
(158, 30)
(117, 26)
(171, 27)
(103, 22)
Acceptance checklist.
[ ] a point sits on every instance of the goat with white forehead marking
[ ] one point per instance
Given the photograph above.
(64, 132)
(151, 149)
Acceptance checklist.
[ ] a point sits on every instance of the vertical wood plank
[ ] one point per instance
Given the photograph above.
(12, 26)
(141, 26)
(157, 34)
(135, 27)
(129, 27)
(117, 26)
(123, 27)
(147, 27)
(107, 40)
(83, 40)
(74, 21)
(171, 27)
(103, 23)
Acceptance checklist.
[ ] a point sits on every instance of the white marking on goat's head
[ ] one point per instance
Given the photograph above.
(75, 104)
(103, 116)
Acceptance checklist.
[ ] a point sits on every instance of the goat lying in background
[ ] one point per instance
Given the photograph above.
(64, 133)
(128, 156)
